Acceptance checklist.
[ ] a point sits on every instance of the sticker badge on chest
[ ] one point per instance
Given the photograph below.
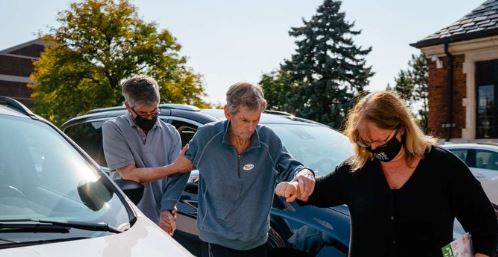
(248, 167)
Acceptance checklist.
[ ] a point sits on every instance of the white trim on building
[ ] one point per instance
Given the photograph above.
(11, 78)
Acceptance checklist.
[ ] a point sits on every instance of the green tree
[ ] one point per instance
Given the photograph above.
(97, 44)
(412, 85)
(404, 85)
(326, 72)
(277, 89)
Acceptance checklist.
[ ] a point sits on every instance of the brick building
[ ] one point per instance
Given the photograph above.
(463, 76)
(16, 64)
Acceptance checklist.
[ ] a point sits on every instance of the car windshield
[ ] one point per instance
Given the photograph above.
(317, 147)
(42, 177)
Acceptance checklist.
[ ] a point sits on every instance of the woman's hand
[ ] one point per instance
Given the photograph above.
(306, 183)
(289, 190)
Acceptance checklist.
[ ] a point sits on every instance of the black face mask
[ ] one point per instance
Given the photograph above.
(387, 151)
(144, 123)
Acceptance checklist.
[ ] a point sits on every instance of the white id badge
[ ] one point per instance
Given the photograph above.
(462, 247)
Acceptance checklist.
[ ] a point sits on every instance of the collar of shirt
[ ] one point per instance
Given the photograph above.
(255, 142)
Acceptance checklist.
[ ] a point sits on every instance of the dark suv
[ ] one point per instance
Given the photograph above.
(295, 230)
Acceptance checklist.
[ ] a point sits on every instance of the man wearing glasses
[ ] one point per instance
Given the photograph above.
(138, 144)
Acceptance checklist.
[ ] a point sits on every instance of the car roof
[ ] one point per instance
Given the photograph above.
(202, 116)
(161, 106)
(4, 110)
(267, 117)
(482, 146)
(11, 107)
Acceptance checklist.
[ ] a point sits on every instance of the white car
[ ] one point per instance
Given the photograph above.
(56, 201)
(482, 159)
(490, 186)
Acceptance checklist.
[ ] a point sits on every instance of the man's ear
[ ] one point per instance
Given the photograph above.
(228, 115)
(128, 108)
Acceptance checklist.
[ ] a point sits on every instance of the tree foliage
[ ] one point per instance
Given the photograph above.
(322, 78)
(277, 89)
(404, 85)
(97, 44)
(412, 85)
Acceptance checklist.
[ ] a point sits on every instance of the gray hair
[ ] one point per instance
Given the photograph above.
(245, 94)
(140, 89)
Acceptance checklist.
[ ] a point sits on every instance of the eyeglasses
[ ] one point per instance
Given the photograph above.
(381, 143)
(146, 115)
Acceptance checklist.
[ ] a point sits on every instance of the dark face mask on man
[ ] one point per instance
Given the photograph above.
(144, 123)
(388, 151)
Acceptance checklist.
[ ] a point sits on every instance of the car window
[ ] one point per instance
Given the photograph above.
(460, 153)
(42, 176)
(317, 147)
(486, 160)
(185, 129)
(88, 136)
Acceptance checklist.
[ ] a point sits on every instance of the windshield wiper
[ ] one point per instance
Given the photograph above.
(36, 224)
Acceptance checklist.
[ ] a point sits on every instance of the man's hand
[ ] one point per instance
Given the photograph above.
(167, 221)
(182, 164)
(289, 190)
(306, 181)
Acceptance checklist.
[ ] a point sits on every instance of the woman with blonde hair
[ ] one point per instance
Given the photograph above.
(403, 191)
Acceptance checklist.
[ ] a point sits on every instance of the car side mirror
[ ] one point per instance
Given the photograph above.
(132, 189)
(94, 194)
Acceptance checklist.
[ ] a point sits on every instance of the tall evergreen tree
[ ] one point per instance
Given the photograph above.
(327, 71)
(404, 85)
(420, 76)
(412, 85)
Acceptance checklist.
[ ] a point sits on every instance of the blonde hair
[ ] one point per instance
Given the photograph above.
(386, 110)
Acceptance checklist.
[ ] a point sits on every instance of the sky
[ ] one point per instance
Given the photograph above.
(227, 41)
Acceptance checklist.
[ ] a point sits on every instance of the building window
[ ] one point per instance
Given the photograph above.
(487, 92)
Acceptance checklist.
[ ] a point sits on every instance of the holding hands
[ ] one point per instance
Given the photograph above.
(167, 221)
(301, 187)
(289, 190)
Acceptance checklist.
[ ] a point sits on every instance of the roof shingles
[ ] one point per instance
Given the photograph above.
(481, 22)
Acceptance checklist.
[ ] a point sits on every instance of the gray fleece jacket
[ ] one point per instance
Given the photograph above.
(236, 191)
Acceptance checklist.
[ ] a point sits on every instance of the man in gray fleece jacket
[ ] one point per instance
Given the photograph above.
(239, 164)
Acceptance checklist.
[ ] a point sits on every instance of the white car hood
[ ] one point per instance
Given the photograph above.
(143, 239)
